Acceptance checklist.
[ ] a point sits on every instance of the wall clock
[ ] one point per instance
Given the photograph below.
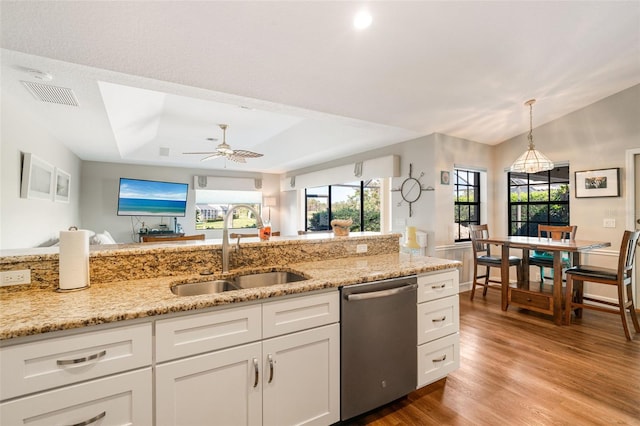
(411, 189)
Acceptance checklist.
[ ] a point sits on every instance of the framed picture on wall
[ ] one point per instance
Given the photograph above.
(62, 186)
(37, 178)
(598, 183)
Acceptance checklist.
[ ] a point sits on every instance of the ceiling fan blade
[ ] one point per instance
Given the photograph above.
(212, 156)
(237, 159)
(246, 154)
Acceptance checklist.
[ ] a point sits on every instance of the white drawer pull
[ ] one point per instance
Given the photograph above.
(442, 358)
(443, 285)
(83, 359)
(439, 319)
(91, 420)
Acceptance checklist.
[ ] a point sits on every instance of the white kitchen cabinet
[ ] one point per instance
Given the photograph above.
(222, 387)
(438, 326)
(301, 380)
(292, 377)
(123, 399)
(100, 376)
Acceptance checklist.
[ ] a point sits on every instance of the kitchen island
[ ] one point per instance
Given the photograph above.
(129, 340)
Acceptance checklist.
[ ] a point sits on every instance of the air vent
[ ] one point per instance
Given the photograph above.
(51, 94)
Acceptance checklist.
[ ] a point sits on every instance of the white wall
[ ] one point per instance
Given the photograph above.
(28, 222)
(99, 197)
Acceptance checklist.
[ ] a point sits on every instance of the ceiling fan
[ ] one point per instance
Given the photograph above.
(223, 150)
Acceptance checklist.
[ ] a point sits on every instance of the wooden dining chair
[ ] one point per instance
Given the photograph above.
(620, 277)
(544, 259)
(161, 239)
(482, 257)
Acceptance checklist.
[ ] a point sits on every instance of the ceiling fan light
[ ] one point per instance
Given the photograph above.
(224, 149)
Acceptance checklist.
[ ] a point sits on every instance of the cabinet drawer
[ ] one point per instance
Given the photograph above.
(438, 318)
(194, 334)
(124, 399)
(41, 365)
(300, 313)
(531, 300)
(438, 358)
(437, 285)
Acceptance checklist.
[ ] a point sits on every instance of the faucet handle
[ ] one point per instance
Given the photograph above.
(238, 242)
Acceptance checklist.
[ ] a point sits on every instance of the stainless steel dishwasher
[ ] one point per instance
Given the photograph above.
(378, 341)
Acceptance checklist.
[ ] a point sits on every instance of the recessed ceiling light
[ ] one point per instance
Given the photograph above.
(362, 20)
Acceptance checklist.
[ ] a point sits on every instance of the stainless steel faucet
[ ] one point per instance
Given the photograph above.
(225, 231)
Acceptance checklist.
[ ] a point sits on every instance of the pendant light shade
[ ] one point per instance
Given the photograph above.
(532, 161)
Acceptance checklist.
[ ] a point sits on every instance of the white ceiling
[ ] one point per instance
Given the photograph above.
(295, 81)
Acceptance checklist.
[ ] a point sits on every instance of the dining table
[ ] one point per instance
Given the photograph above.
(522, 295)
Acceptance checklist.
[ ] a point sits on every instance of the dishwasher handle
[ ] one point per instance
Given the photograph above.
(381, 293)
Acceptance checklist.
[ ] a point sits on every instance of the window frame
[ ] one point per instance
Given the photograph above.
(460, 204)
(363, 187)
(532, 181)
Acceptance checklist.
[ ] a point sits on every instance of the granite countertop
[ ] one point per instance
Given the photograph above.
(37, 311)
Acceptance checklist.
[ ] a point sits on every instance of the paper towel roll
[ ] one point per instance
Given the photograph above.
(74, 259)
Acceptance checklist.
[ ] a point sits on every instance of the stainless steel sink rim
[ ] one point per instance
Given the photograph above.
(239, 282)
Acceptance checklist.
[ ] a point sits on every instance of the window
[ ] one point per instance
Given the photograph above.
(466, 192)
(213, 205)
(358, 201)
(538, 198)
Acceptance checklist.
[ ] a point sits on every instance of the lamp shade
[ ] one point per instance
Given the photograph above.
(531, 161)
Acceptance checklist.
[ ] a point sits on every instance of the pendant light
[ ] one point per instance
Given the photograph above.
(532, 161)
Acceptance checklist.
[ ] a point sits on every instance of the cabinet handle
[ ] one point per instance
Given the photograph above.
(270, 359)
(442, 358)
(257, 372)
(91, 420)
(443, 285)
(439, 319)
(83, 359)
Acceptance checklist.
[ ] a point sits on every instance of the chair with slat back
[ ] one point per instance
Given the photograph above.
(482, 257)
(544, 259)
(161, 239)
(620, 277)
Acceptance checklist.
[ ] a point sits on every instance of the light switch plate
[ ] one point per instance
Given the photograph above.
(609, 223)
(361, 248)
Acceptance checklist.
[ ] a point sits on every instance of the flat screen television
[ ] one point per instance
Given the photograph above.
(138, 197)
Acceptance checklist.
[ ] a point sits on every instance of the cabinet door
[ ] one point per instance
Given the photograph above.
(438, 358)
(438, 318)
(299, 313)
(200, 333)
(437, 285)
(32, 367)
(124, 399)
(218, 388)
(301, 383)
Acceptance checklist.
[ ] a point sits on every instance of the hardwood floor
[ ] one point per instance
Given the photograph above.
(518, 368)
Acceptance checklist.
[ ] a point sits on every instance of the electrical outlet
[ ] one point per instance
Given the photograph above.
(361, 248)
(22, 276)
(609, 223)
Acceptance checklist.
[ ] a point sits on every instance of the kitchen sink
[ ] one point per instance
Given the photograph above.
(266, 278)
(204, 287)
(239, 282)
